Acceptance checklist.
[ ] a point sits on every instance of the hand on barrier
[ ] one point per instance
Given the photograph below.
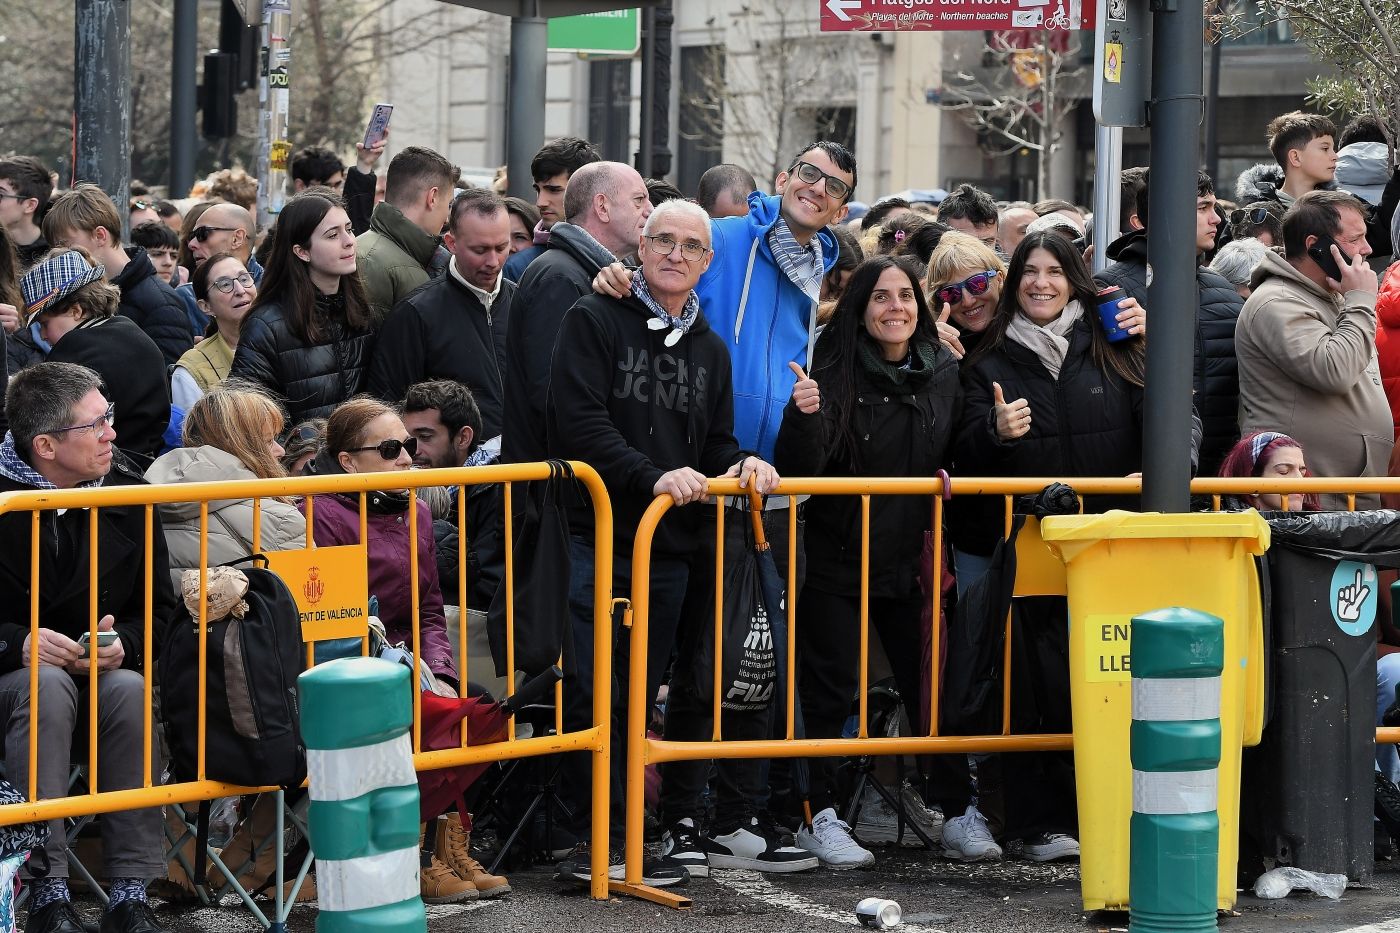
(1351, 598)
(614, 281)
(55, 649)
(1013, 419)
(682, 485)
(806, 394)
(948, 335)
(765, 478)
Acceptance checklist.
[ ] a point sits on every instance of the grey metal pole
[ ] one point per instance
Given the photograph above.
(182, 93)
(1213, 113)
(663, 21)
(529, 47)
(1108, 190)
(102, 97)
(274, 94)
(646, 130)
(1171, 252)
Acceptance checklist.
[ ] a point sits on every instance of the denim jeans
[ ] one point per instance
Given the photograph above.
(1387, 677)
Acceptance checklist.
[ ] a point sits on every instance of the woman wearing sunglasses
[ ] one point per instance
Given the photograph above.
(964, 285)
(882, 399)
(309, 335)
(224, 290)
(364, 435)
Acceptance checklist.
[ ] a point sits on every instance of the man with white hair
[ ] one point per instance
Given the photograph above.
(640, 389)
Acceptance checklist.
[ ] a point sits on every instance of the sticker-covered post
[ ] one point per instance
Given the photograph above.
(356, 715)
(1178, 656)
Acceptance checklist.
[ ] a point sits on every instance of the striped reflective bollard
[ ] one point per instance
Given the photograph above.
(356, 720)
(1177, 659)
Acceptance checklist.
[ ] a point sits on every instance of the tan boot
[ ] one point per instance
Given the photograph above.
(454, 846)
(438, 884)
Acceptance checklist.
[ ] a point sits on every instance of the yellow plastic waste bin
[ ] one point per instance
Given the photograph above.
(1121, 564)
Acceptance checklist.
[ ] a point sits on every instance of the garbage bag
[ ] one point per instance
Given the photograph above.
(1372, 537)
(1280, 882)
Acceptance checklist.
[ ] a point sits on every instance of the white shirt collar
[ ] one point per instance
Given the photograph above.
(487, 298)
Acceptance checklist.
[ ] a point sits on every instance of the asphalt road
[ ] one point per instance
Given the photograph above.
(935, 894)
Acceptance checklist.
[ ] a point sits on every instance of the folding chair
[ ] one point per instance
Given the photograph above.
(73, 827)
(884, 710)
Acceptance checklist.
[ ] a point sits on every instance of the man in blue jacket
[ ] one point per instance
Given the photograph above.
(760, 296)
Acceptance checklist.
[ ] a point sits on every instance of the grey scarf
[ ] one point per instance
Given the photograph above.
(1050, 342)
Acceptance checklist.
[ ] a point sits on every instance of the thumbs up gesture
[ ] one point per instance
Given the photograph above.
(805, 394)
(1013, 419)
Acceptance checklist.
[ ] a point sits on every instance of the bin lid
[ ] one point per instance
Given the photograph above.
(1072, 534)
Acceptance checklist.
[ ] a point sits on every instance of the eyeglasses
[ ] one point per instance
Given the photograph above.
(1256, 216)
(143, 205)
(301, 434)
(97, 426)
(810, 174)
(389, 450)
(203, 233)
(225, 283)
(663, 244)
(13, 197)
(975, 285)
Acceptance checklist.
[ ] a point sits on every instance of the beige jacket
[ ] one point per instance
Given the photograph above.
(230, 520)
(1308, 368)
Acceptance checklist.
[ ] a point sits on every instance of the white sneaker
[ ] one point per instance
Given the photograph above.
(1050, 847)
(745, 848)
(830, 841)
(878, 823)
(967, 838)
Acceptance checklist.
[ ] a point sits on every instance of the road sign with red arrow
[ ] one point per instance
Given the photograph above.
(937, 15)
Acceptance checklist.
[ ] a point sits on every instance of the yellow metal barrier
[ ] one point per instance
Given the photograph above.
(595, 739)
(1042, 578)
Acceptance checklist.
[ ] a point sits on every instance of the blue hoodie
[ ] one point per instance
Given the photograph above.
(764, 319)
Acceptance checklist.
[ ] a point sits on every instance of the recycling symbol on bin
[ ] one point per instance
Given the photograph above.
(1353, 597)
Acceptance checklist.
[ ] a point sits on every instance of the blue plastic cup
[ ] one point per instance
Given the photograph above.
(1108, 312)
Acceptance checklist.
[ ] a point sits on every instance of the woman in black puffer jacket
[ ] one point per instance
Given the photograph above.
(309, 338)
(883, 399)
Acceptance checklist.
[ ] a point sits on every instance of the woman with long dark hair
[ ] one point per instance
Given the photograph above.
(1047, 394)
(882, 399)
(309, 336)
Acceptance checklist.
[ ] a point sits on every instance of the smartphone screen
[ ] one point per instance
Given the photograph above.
(1321, 253)
(104, 639)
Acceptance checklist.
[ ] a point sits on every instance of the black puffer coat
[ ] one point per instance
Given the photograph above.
(312, 379)
(1086, 423)
(901, 431)
(154, 306)
(1215, 372)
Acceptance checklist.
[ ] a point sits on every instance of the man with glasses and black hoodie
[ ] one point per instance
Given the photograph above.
(760, 296)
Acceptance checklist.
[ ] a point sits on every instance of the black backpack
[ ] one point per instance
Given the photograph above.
(252, 733)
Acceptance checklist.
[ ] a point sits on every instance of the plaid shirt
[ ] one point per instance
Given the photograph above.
(801, 264)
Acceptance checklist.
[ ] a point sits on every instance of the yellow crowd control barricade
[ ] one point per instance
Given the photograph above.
(595, 739)
(1122, 564)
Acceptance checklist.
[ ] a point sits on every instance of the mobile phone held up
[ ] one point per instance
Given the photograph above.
(378, 124)
(1321, 253)
(104, 640)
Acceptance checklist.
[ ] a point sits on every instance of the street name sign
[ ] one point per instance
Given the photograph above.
(614, 32)
(940, 15)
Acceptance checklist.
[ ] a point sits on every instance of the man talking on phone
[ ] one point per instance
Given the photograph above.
(61, 436)
(1306, 343)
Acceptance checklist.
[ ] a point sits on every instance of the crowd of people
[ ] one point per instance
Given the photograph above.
(394, 320)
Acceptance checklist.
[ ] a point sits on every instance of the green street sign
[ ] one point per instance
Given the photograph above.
(615, 32)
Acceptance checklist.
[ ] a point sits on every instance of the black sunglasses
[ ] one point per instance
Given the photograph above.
(1255, 215)
(203, 233)
(389, 450)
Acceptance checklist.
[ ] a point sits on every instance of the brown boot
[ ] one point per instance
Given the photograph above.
(454, 845)
(438, 884)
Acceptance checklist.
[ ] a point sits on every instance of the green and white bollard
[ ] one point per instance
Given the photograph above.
(1177, 659)
(356, 721)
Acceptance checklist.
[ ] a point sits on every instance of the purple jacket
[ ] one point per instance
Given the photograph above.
(336, 520)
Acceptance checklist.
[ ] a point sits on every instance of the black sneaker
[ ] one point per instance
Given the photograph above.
(682, 844)
(745, 847)
(659, 872)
